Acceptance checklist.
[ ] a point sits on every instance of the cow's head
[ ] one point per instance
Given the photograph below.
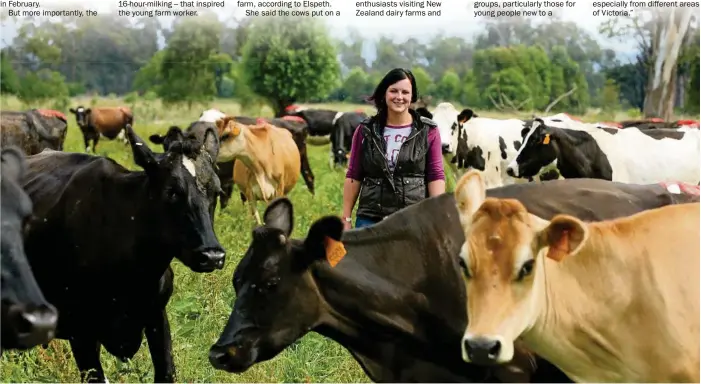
(82, 115)
(277, 299)
(232, 138)
(539, 150)
(205, 137)
(184, 188)
(27, 318)
(340, 157)
(503, 267)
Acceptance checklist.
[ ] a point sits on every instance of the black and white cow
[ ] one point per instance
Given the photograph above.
(486, 144)
(625, 155)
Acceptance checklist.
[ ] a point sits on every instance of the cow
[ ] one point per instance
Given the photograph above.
(395, 299)
(342, 136)
(27, 318)
(33, 130)
(102, 239)
(268, 163)
(627, 155)
(482, 143)
(320, 122)
(422, 111)
(109, 122)
(291, 123)
(607, 301)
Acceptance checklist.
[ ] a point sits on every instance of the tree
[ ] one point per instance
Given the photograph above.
(610, 98)
(356, 86)
(660, 35)
(289, 59)
(9, 82)
(188, 73)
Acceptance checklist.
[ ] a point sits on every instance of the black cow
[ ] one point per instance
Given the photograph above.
(342, 135)
(396, 300)
(33, 130)
(422, 111)
(103, 237)
(320, 122)
(27, 318)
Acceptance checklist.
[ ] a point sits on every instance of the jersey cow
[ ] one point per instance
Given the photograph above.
(609, 301)
(102, 239)
(627, 155)
(296, 128)
(27, 318)
(268, 163)
(33, 130)
(392, 294)
(320, 122)
(109, 122)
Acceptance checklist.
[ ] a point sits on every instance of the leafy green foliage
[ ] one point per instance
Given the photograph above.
(289, 59)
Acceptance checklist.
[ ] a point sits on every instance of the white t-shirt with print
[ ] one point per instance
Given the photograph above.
(394, 137)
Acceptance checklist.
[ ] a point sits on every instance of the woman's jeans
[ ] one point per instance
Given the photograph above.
(363, 221)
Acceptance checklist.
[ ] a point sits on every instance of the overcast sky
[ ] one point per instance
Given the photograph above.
(456, 19)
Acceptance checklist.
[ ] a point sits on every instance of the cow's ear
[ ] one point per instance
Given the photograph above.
(87, 111)
(72, 110)
(324, 241)
(470, 193)
(564, 236)
(143, 156)
(156, 138)
(466, 115)
(279, 214)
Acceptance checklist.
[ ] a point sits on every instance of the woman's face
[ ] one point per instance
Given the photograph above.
(398, 96)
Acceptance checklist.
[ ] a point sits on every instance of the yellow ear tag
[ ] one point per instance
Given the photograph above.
(335, 251)
(558, 251)
(236, 130)
(547, 139)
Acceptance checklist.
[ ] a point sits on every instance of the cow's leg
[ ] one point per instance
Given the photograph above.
(306, 171)
(95, 140)
(86, 142)
(161, 346)
(331, 158)
(123, 136)
(254, 211)
(86, 352)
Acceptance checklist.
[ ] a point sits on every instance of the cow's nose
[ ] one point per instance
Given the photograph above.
(445, 148)
(33, 324)
(482, 350)
(510, 171)
(211, 258)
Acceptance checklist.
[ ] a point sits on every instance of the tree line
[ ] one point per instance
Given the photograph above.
(511, 65)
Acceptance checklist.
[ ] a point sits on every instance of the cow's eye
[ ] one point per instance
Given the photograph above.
(526, 269)
(463, 266)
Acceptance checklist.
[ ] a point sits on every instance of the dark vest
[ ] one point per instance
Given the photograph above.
(383, 192)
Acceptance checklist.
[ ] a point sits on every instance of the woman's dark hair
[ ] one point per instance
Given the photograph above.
(393, 76)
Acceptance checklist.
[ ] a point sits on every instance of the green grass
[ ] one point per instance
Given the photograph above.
(201, 303)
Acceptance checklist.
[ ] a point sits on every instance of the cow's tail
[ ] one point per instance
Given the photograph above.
(129, 117)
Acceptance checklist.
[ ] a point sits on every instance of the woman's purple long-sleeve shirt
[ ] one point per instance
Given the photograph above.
(394, 136)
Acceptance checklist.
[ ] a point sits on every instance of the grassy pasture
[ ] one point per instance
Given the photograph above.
(201, 303)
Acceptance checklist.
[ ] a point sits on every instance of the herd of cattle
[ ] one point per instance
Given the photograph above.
(613, 296)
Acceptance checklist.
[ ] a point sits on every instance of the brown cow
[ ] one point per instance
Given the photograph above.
(103, 121)
(268, 163)
(608, 301)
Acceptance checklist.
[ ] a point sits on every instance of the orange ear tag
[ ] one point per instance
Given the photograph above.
(546, 141)
(236, 130)
(559, 250)
(335, 251)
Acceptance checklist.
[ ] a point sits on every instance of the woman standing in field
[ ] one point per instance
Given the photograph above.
(395, 157)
